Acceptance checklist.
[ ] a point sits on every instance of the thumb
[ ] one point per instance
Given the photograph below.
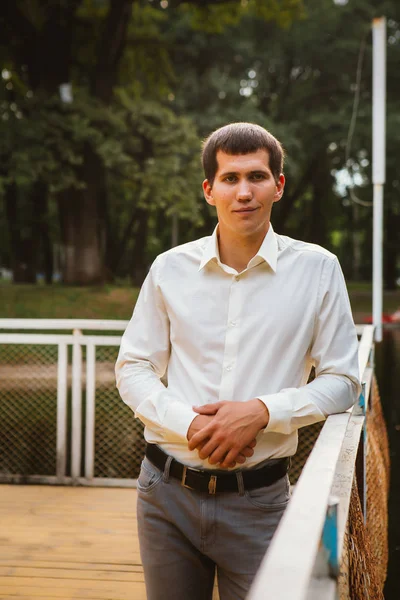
(208, 409)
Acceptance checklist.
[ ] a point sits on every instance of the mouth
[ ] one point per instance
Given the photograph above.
(245, 210)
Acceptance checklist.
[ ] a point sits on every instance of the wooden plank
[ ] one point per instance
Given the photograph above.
(71, 565)
(35, 572)
(69, 543)
(60, 588)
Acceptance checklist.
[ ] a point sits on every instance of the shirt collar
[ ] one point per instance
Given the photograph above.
(268, 250)
(210, 250)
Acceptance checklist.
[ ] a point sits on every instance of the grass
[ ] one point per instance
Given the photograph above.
(117, 302)
(65, 302)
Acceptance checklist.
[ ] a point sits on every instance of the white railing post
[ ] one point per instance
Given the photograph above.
(90, 408)
(76, 450)
(62, 367)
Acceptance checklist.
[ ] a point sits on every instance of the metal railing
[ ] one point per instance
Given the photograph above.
(305, 557)
(61, 418)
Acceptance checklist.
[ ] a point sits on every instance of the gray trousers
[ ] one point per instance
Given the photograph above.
(185, 535)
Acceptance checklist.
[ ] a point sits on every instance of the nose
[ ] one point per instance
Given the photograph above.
(244, 191)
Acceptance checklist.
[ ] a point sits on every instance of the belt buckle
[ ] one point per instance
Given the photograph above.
(212, 484)
(183, 480)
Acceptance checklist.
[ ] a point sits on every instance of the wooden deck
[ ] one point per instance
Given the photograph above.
(70, 543)
(65, 542)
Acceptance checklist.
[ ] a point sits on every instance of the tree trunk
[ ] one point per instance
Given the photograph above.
(111, 48)
(41, 227)
(23, 248)
(83, 213)
(79, 221)
(321, 189)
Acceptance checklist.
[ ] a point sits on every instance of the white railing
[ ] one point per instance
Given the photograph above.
(302, 561)
(77, 340)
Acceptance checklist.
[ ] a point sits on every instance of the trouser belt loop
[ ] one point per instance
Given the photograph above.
(167, 468)
(239, 477)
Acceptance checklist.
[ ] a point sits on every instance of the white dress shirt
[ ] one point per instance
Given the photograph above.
(201, 332)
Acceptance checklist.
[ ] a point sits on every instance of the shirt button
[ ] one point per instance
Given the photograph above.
(229, 368)
(232, 323)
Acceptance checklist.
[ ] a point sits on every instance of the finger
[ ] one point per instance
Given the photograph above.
(231, 456)
(253, 443)
(218, 454)
(208, 409)
(247, 452)
(201, 445)
(230, 466)
(198, 438)
(242, 456)
(209, 448)
(241, 459)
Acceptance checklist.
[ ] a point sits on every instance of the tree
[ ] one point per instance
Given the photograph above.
(86, 44)
(300, 83)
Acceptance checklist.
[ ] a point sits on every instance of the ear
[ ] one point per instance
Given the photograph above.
(207, 190)
(280, 186)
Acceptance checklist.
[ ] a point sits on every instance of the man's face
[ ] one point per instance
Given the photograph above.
(243, 193)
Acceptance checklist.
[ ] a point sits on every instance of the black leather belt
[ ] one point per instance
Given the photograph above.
(218, 481)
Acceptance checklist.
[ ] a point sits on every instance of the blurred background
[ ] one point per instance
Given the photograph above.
(103, 106)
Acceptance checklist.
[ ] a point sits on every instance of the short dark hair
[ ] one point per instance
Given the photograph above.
(241, 138)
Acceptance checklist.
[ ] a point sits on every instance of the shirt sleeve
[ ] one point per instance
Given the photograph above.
(143, 361)
(334, 353)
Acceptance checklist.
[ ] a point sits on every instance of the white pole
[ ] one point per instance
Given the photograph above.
(378, 163)
(76, 405)
(377, 304)
(90, 408)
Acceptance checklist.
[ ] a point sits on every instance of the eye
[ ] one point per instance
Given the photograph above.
(230, 178)
(258, 176)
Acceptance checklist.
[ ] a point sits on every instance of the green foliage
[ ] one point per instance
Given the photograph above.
(217, 18)
(185, 69)
(145, 144)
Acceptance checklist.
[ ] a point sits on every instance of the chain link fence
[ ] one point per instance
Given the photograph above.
(28, 416)
(119, 442)
(28, 409)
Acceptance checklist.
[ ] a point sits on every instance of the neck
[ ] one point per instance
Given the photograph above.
(237, 252)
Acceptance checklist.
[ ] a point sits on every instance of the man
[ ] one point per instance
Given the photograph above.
(215, 363)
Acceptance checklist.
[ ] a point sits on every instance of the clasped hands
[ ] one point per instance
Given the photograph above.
(225, 432)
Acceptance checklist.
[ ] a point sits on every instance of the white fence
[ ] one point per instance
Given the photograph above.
(303, 561)
(23, 372)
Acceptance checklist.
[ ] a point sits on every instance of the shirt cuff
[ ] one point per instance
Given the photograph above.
(177, 420)
(280, 413)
